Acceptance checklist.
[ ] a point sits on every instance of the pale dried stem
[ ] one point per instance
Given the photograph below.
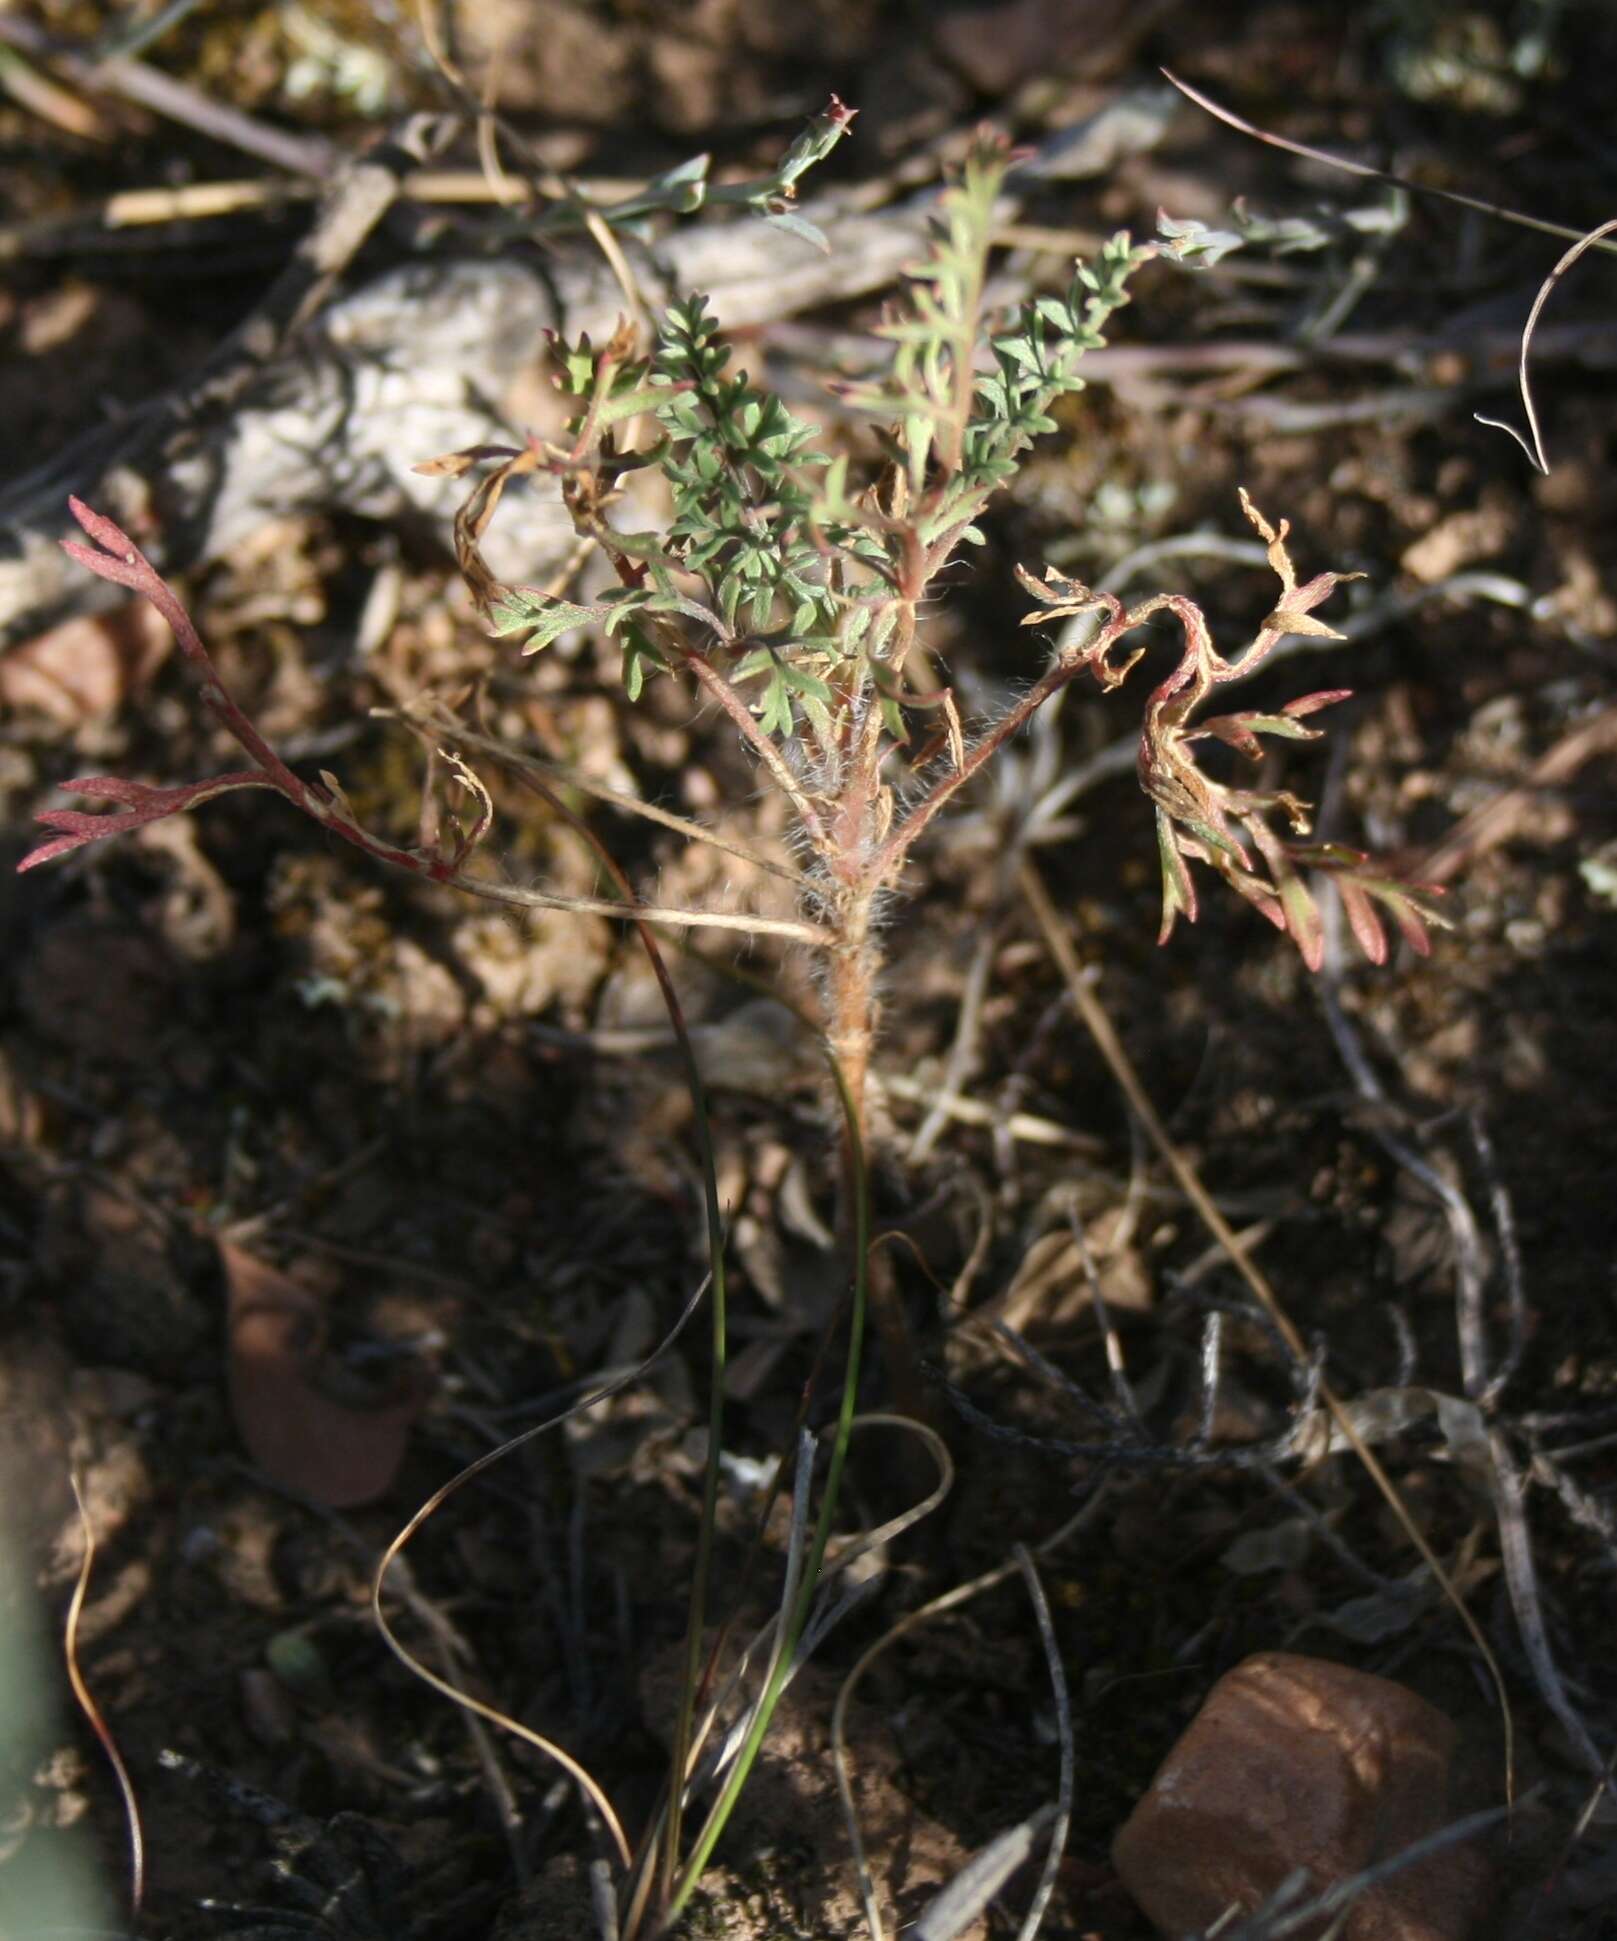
(799, 931)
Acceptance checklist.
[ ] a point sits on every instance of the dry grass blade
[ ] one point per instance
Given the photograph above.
(592, 906)
(92, 1711)
(935, 1607)
(1026, 1127)
(1110, 1046)
(797, 1538)
(722, 1760)
(1535, 450)
(586, 1783)
(829, 1611)
(966, 1897)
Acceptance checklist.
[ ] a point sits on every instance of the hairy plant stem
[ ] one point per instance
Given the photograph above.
(896, 846)
(852, 1008)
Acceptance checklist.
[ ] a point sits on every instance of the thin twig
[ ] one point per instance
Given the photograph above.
(202, 201)
(893, 851)
(1063, 1704)
(1111, 1049)
(175, 100)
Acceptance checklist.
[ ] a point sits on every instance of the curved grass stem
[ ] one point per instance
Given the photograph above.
(741, 1771)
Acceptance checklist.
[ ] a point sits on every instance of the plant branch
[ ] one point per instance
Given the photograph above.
(713, 683)
(115, 557)
(897, 846)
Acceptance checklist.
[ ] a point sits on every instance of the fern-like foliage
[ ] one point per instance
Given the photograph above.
(738, 464)
(962, 431)
(1035, 364)
(800, 589)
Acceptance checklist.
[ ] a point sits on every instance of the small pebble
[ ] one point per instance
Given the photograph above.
(1299, 1763)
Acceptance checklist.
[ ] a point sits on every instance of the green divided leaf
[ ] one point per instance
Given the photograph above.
(520, 609)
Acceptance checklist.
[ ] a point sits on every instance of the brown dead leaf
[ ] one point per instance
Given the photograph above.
(1463, 539)
(336, 1453)
(85, 668)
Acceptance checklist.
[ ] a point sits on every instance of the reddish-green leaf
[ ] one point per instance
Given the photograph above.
(144, 804)
(1366, 924)
(1303, 920)
(1178, 891)
(1326, 697)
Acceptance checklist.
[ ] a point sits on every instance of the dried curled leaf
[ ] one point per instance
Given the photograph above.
(1203, 819)
(339, 1453)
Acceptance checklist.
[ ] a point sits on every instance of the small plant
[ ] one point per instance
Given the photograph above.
(789, 590)
(791, 595)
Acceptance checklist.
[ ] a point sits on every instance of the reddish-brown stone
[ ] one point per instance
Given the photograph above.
(1295, 1762)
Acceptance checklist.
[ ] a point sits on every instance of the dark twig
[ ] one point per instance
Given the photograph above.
(1521, 1577)
(1510, 1262)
